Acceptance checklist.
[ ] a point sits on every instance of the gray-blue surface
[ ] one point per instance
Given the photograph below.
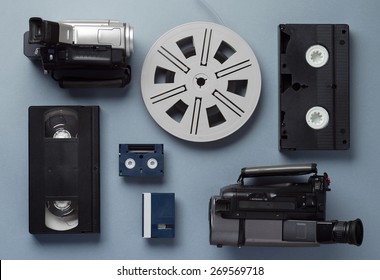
(194, 172)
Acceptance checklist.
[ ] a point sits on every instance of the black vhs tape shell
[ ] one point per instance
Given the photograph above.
(314, 87)
(64, 192)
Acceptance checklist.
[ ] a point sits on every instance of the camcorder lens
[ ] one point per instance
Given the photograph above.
(350, 232)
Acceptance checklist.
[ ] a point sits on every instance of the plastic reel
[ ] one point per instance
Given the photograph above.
(201, 81)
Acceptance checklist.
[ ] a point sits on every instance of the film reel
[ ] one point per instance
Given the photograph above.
(201, 82)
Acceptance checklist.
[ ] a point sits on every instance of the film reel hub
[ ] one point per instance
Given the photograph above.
(201, 82)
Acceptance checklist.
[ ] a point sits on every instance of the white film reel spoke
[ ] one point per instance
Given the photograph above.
(172, 58)
(231, 93)
(164, 94)
(230, 105)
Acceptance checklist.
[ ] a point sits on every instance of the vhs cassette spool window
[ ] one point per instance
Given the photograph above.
(61, 125)
(63, 169)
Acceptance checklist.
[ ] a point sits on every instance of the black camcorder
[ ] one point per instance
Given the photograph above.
(81, 54)
(280, 213)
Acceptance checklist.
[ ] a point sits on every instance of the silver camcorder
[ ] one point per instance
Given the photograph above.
(290, 213)
(81, 53)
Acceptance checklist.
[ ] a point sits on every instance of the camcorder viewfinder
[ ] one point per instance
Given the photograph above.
(81, 54)
(291, 213)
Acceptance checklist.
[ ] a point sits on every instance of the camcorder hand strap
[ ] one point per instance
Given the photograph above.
(116, 83)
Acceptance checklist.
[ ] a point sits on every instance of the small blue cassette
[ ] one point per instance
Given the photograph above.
(138, 160)
(158, 215)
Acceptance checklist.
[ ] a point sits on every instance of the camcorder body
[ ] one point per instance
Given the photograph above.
(81, 53)
(280, 213)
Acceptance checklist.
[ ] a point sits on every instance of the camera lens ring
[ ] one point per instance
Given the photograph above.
(350, 232)
(357, 230)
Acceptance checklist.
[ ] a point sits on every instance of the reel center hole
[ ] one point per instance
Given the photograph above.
(201, 81)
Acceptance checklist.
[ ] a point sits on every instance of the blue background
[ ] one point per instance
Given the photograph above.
(193, 171)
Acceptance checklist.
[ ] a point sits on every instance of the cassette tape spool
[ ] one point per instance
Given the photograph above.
(64, 169)
(314, 87)
(201, 82)
(140, 160)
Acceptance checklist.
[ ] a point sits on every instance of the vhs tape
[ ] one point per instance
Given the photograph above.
(314, 87)
(64, 188)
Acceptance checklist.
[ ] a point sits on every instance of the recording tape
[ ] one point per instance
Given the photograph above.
(61, 123)
(140, 160)
(314, 87)
(201, 81)
(61, 215)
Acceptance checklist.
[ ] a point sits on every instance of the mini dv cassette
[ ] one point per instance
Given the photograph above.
(140, 160)
(158, 215)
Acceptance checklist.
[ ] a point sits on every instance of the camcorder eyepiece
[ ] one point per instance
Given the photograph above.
(81, 53)
(43, 31)
(290, 213)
